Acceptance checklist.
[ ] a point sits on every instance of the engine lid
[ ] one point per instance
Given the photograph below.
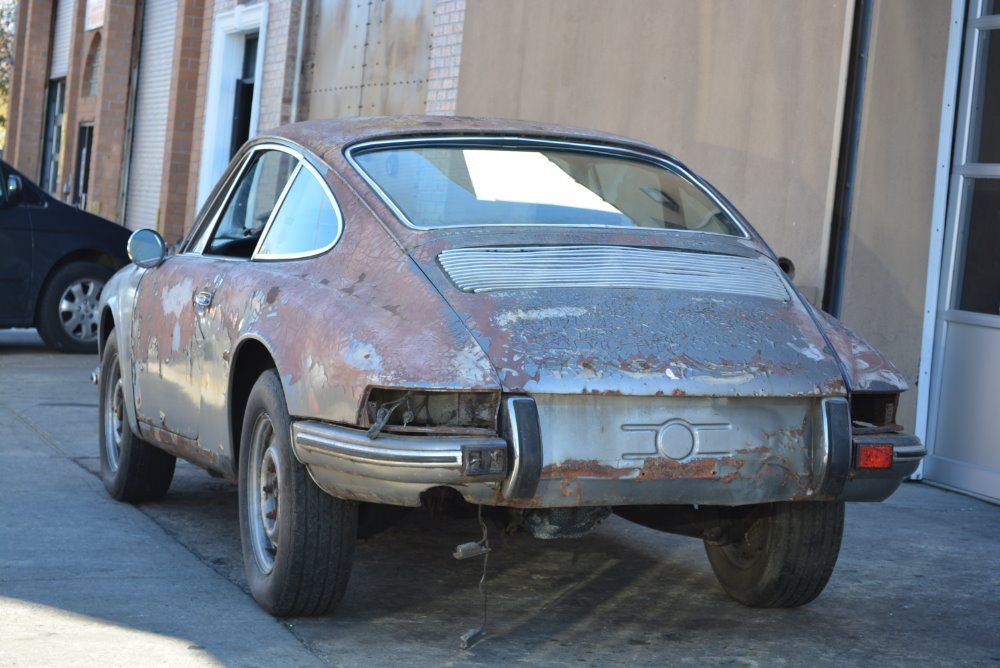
(612, 319)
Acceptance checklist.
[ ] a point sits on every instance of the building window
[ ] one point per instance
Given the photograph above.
(83, 150)
(52, 146)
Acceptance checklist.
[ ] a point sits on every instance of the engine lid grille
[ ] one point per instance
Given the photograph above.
(532, 267)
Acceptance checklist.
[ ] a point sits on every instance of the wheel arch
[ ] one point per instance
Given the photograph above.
(106, 327)
(251, 358)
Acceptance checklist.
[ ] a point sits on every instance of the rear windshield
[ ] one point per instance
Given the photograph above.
(454, 186)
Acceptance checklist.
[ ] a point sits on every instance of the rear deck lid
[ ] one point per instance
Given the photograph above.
(613, 319)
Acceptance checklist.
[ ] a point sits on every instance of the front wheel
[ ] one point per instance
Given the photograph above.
(785, 556)
(132, 469)
(298, 541)
(68, 318)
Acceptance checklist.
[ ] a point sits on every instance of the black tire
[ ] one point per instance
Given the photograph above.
(786, 556)
(298, 543)
(68, 318)
(132, 469)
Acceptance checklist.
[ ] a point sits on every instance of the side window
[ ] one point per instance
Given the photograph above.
(242, 221)
(307, 221)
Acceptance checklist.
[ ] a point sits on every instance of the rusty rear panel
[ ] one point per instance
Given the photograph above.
(634, 450)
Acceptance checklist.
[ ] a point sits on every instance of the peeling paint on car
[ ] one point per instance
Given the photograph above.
(379, 310)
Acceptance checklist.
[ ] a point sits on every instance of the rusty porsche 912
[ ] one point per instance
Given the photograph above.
(564, 324)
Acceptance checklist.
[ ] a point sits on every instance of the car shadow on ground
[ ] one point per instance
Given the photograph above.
(622, 593)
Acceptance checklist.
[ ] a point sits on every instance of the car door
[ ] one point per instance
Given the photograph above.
(182, 324)
(16, 251)
(305, 223)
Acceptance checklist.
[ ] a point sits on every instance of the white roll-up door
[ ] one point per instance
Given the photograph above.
(149, 130)
(61, 31)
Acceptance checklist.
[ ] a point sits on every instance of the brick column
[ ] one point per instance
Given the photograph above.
(111, 119)
(182, 119)
(197, 103)
(29, 86)
(79, 41)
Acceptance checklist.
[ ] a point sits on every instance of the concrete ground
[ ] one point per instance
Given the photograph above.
(85, 580)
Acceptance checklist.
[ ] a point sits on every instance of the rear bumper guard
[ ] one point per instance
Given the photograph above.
(876, 484)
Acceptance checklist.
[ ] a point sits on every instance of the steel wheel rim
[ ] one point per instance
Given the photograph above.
(78, 313)
(262, 490)
(114, 417)
(747, 553)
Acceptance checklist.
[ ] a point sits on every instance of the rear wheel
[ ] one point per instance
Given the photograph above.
(298, 541)
(132, 469)
(68, 318)
(785, 556)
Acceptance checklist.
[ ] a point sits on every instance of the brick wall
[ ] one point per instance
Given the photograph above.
(111, 110)
(279, 63)
(79, 45)
(199, 100)
(446, 54)
(29, 84)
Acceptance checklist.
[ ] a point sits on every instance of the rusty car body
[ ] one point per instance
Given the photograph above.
(556, 321)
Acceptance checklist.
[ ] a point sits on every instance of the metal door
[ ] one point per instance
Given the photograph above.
(964, 441)
(149, 133)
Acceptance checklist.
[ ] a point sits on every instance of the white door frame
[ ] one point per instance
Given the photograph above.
(226, 64)
(927, 389)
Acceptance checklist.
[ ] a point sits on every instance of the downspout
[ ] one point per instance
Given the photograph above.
(840, 225)
(299, 49)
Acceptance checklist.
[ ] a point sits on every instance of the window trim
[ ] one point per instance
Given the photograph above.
(324, 186)
(513, 142)
(199, 240)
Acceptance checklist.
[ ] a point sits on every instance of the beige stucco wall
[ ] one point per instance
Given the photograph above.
(749, 94)
(891, 217)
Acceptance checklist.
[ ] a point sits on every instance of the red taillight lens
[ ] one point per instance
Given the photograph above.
(875, 457)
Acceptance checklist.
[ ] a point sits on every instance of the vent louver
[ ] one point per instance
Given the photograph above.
(531, 267)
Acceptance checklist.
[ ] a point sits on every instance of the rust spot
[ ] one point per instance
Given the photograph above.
(582, 468)
(678, 392)
(272, 294)
(189, 450)
(696, 469)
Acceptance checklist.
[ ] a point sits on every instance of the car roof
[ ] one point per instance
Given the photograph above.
(325, 138)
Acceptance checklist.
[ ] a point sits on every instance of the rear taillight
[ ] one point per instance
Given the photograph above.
(875, 457)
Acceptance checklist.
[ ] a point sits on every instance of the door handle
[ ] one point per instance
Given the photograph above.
(203, 299)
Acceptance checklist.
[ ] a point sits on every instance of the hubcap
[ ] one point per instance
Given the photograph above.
(263, 488)
(114, 423)
(78, 309)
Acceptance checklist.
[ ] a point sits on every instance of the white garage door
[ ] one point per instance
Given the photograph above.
(61, 29)
(149, 131)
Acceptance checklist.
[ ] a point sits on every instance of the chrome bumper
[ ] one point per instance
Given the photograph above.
(395, 468)
(740, 453)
